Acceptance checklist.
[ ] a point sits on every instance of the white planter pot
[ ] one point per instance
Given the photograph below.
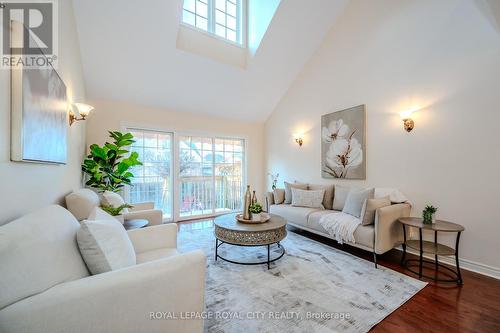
(256, 217)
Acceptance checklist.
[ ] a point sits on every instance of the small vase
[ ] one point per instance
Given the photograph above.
(256, 217)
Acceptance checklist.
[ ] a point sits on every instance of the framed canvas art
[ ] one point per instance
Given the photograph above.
(39, 114)
(343, 146)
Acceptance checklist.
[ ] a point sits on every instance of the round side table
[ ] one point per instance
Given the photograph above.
(429, 247)
(135, 224)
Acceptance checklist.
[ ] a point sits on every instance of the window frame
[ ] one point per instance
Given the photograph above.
(241, 22)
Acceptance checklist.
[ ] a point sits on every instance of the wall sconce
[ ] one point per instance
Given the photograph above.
(83, 110)
(408, 123)
(299, 139)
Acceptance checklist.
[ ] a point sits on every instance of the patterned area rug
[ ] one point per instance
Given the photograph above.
(313, 288)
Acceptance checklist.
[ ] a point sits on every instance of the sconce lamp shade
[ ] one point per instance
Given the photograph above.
(83, 109)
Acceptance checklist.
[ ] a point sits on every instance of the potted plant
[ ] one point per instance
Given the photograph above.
(115, 211)
(428, 214)
(255, 210)
(108, 166)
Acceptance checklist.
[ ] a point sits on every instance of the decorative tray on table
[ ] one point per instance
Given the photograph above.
(264, 217)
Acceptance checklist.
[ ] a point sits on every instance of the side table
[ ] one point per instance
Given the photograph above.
(135, 224)
(429, 247)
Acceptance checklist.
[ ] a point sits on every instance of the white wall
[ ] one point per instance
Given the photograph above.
(111, 115)
(26, 186)
(443, 56)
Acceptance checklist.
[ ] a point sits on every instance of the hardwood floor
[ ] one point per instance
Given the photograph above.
(443, 307)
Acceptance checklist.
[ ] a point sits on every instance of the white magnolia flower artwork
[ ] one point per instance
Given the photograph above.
(343, 144)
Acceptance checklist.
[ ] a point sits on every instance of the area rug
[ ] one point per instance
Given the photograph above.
(313, 288)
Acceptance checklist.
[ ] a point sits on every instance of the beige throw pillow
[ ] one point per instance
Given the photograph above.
(288, 190)
(279, 196)
(370, 207)
(305, 198)
(329, 191)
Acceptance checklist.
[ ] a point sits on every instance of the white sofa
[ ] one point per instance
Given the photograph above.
(45, 285)
(83, 201)
(380, 237)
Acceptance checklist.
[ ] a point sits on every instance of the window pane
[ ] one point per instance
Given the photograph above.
(188, 17)
(195, 178)
(231, 35)
(152, 181)
(201, 23)
(220, 17)
(189, 5)
(220, 30)
(231, 22)
(201, 9)
(220, 5)
(231, 9)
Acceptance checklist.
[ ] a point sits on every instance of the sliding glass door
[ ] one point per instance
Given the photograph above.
(196, 173)
(152, 181)
(228, 164)
(188, 176)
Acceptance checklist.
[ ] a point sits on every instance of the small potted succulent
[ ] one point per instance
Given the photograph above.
(428, 214)
(255, 210)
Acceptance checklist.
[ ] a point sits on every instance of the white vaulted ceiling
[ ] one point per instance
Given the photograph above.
(129, 54)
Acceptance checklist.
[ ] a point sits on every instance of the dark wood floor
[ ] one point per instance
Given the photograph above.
(443, 307)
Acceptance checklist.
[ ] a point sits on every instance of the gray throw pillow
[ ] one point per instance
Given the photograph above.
(328, 197)
(105, 246)
(288, 190)
(341, 193)
(355, 201)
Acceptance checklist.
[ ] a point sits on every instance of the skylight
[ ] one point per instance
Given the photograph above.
(222, 18)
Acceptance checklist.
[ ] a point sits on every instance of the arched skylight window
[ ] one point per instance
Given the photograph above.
(223, 18)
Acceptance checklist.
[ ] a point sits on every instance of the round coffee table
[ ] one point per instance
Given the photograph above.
(229, 231)
(429, 247)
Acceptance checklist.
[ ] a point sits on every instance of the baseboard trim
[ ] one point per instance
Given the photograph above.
(468, 265)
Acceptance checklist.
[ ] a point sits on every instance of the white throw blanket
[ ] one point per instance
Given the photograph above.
(340, 226)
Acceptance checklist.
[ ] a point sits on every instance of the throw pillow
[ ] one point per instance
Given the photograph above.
(279, 196)
(341, 193)
(305, 198)
(288, 190)
(355, 201)
(114, 200)
(105, 246)
(329, 189)
(370, 207)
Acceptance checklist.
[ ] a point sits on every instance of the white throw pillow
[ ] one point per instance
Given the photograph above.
(114, 200)
(105, 246)
(305, 198)
(355, 201)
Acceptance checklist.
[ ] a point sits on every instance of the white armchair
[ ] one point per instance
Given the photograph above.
(81, 203)
(59, 295)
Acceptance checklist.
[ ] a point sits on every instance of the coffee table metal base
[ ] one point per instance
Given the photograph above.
(218, 243)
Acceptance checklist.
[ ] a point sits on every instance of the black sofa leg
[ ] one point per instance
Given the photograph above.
(375, 259)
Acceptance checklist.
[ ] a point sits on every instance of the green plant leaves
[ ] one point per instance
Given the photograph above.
(108, 167)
